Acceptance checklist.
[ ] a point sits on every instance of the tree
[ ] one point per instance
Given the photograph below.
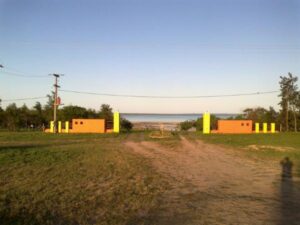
(289, 97)
(106, 112)
(126, 125)
(12, 118)
(68, 113)
(48, 108)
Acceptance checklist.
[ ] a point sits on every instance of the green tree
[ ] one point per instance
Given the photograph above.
(48, 108)
(126, 125)
(289, 97)
(68, 113)
(12, 119)
(106, 112)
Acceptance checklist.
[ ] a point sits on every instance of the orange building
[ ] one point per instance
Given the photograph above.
(234, 126)
(88, 126)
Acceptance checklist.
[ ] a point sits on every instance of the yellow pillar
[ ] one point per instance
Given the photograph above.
(67, 127)
(116, 122)
(206, 123)
(59, 126)
(265, 127)
(51, 126)
(256, 127)
(272, 127)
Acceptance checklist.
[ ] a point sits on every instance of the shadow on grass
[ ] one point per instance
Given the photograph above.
(289, 194)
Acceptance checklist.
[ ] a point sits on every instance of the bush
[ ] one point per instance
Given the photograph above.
(186, 125)
(126, 125)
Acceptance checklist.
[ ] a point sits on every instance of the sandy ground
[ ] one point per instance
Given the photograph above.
(215, 185)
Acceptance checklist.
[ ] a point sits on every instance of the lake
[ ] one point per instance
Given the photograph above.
(138, 117)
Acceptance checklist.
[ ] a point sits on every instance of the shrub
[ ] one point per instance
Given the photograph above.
(186, 125)
(126, 125)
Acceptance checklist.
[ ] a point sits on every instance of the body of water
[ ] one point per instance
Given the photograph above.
(135, 117)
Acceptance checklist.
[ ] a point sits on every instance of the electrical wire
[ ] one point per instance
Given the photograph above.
(22, 99)
(171, 97)
(19, 74)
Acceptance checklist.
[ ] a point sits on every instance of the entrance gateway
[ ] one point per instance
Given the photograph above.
(235, 126)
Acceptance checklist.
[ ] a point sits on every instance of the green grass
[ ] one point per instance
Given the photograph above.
(74, 179)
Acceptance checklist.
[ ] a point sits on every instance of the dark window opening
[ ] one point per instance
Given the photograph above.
(242, 124)
(76, 122)
(81, 122)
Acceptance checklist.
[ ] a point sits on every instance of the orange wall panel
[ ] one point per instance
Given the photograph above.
(88, 126)
(235, 126)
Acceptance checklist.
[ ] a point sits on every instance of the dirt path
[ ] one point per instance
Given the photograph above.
(215, 185)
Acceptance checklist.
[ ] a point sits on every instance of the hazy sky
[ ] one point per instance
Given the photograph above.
(153, 47)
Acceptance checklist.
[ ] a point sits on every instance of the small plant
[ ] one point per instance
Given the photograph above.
(186, 125)
(126, 125)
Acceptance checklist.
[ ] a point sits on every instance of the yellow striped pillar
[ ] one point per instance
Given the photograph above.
(206, 123)
(272, 127)
(116, 122)
(51, 126)
(256, 127)
(265, 127)
(67, 127)
(59, 126)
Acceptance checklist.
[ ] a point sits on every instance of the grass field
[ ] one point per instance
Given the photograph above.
(73, 179)
(93, 179)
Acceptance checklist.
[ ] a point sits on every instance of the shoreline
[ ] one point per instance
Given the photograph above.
(155, 125)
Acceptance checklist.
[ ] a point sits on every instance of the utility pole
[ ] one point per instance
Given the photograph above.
(56, 103)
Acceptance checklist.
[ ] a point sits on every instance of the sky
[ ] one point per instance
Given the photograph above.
(153, 47)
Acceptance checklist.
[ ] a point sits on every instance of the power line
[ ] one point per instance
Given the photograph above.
(17, 74)
(171, 97)
(22, 99)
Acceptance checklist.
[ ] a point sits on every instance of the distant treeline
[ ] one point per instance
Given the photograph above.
(39, 116)
(286, 119)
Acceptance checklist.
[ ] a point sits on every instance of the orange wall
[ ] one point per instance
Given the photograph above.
(235, 126)
(88, 126)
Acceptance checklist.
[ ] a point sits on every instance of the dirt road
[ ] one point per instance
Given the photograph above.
(210, 184)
